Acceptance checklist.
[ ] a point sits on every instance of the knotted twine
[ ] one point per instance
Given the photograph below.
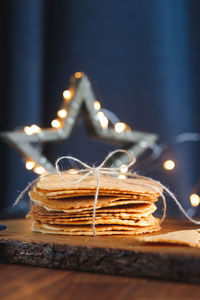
(112, 171)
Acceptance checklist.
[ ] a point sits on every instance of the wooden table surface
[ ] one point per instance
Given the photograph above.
(19, 282)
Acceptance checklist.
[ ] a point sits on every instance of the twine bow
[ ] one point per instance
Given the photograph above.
(102, 170)
(96, 172)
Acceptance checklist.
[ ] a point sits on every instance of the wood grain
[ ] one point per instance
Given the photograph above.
(117, 255)
(24, 282)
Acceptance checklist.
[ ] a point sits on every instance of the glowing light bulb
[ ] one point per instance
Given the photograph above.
(103, 120)
(55, 123)
(120, 127)
(121, 176)
(28, 130)
(39, 170)
(72, 171)
(67, 95)
(35, 128)
(30, 165)
(123, 168)
(169, 165)
(100, 114)
(78, 75)
(97, 105)
(194, 199)
(62, 113)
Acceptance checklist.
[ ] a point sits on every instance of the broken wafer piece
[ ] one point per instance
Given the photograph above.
(182, 237)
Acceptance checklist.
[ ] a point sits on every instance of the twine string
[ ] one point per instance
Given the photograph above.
(165, 189)
(95, 201)
(96, 172)
(23, 193)
(102, 170)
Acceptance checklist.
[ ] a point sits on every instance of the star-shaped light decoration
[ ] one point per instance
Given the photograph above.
(78, 97)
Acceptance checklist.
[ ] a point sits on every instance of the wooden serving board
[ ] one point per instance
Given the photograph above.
(119, 255)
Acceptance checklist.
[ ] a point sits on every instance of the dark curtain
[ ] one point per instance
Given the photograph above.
(141, 56)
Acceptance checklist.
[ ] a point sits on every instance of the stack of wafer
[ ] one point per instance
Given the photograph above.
(62, 207)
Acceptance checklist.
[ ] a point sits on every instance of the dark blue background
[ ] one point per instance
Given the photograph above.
(141, 56)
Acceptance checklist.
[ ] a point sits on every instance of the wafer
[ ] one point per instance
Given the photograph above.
(107, 183)
(87, 230)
